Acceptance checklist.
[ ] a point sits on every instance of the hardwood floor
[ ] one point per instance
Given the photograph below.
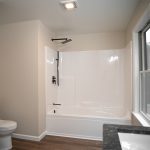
(57, 143)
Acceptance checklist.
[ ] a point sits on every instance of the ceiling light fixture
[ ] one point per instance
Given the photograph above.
(69, 4)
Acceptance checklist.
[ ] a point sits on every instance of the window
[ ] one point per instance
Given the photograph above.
(145, 71)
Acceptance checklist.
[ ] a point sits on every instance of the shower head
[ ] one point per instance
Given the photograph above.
(66, 41)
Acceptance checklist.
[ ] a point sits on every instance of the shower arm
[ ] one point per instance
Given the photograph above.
(59, 39)
(64, 40)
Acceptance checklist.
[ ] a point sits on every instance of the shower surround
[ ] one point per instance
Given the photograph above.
(92, 92)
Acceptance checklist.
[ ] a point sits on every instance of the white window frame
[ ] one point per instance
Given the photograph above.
(135, 63)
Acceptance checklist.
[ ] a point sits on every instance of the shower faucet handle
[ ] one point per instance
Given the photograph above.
(53, 80)
(56, 104)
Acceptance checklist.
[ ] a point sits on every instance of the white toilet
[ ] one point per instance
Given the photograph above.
(6, 129)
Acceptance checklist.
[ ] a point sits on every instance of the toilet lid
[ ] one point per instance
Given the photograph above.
(7, 125)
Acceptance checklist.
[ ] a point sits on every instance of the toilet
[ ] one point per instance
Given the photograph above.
(6, 129)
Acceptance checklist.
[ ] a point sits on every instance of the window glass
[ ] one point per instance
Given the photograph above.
(145, 93)
(148, 48)
(145, 72)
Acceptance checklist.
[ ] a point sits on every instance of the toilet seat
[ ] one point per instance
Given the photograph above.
(7, 125)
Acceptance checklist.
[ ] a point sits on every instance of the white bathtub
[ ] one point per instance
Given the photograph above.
(82, 123)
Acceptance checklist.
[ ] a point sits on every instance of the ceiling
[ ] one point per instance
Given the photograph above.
(90, 17)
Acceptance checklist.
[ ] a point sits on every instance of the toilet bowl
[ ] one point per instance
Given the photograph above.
(6, 129)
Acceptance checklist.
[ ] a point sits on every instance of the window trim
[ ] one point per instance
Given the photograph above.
(135, 65)
(143, 67)
(143, 48)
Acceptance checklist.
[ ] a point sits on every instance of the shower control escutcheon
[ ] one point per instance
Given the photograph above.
(53, 80)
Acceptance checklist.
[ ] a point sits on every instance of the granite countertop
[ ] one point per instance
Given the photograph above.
(111, 138)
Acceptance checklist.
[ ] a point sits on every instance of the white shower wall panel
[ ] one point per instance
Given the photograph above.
(51, 89)
(92, 79)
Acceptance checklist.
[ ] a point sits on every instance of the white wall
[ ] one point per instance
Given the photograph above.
(128, 77)
(93, 79)
(51, 89)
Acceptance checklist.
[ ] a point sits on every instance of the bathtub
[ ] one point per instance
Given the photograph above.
(83, 123)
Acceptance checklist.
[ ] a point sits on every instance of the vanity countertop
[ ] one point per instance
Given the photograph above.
(111, 138)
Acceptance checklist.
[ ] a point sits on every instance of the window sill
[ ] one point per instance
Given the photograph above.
(141, 119)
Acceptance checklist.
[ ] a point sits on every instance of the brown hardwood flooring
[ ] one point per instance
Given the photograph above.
(57, 143)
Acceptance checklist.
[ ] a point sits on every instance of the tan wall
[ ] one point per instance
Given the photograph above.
(22, 78)
(136, 17)
(19, 93)
(95, 41)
